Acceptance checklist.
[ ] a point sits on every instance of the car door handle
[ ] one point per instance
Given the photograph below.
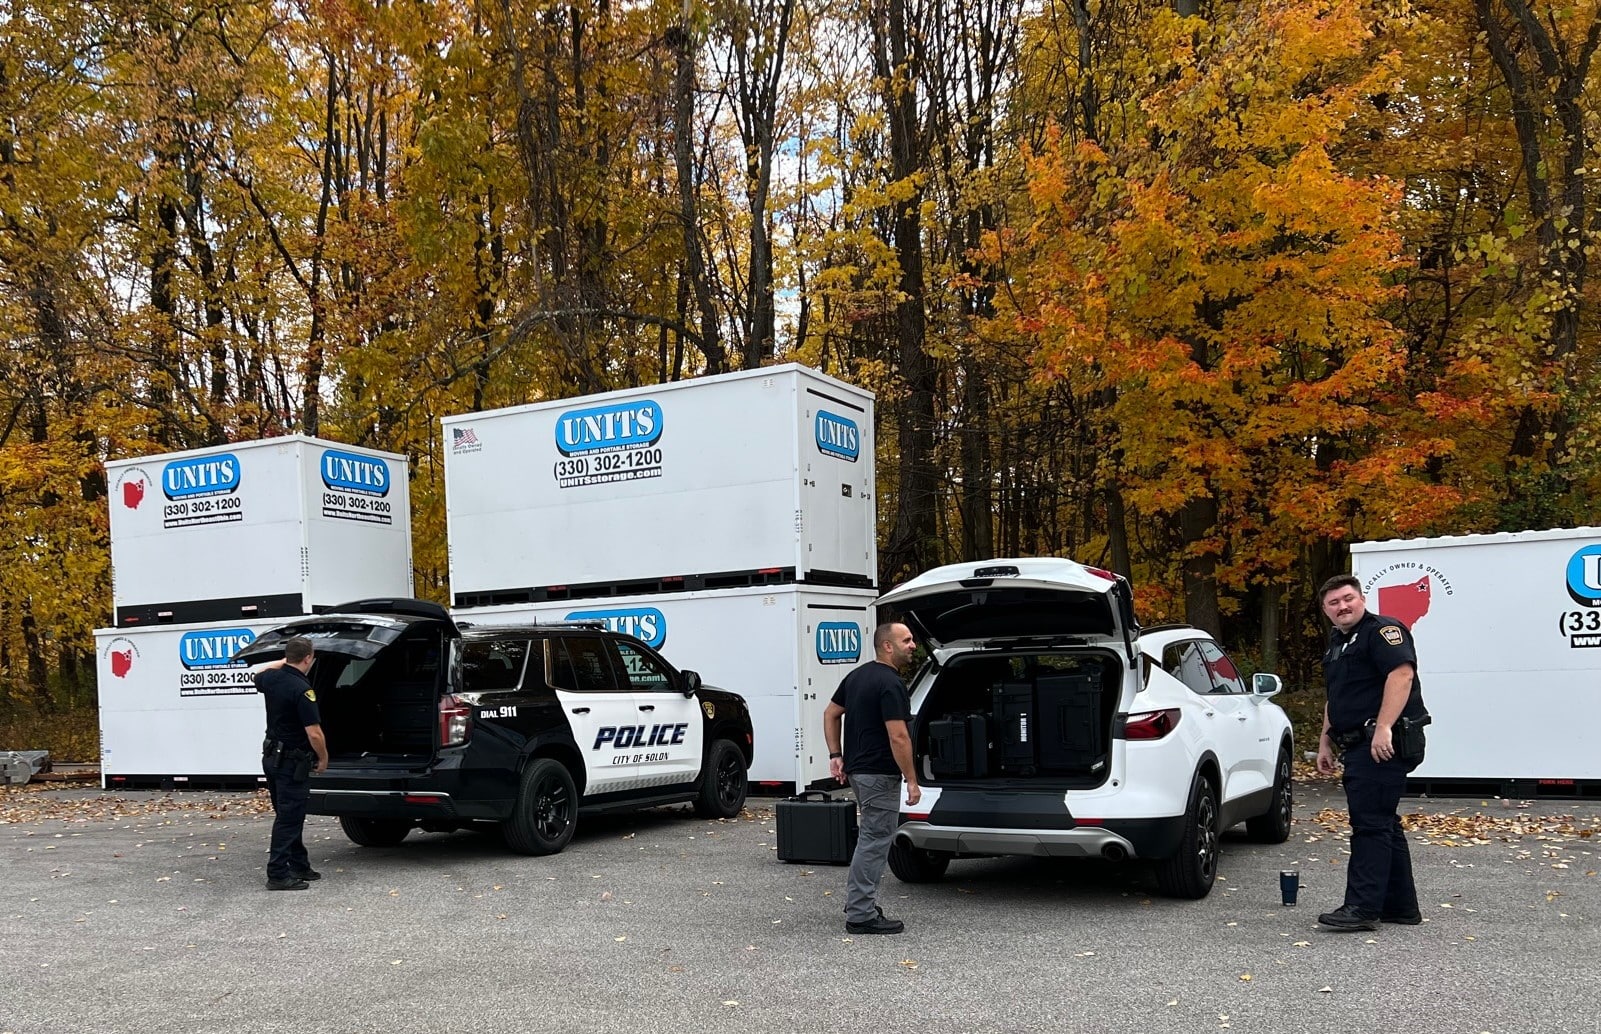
(580, 710)
(647, 707)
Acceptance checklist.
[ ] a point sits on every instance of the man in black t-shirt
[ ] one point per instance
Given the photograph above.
(1371, 671)
(294, 748)
(872, 707)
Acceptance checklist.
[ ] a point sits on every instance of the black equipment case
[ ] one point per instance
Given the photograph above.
(814, 827)
(1014, 741)
(958, 747)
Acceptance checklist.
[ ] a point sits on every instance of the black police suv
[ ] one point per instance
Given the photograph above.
(439, 726)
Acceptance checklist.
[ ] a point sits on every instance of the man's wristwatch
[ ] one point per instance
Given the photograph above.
(834, 754)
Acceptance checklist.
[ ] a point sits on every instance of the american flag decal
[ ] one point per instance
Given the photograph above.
(460, 436)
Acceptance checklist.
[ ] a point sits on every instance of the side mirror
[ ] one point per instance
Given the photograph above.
(1265, 685)
(691, 682)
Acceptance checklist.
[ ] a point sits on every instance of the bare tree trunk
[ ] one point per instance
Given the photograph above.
(1196, 520)
(1549, 114)
(1272, 602)
(683, 47)
(913, 545)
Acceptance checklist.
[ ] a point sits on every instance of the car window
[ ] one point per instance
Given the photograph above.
(645, 672)
(1225, 676)
(493, 665)
(1184, 662)
(580, 664)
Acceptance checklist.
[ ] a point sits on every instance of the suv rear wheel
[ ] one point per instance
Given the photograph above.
(546, 811)
(722, 787)
(375, 832)
(1192, 868)
(916, 865)
(1273, 825)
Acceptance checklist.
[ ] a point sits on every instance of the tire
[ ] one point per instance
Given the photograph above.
(375, 832)
(1192, 868)
(1273, 825)
(546, 811)
(723, 787)
(916, 865)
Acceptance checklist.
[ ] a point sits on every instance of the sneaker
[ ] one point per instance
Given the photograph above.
(1403, 918)
(877, 924)
(1347, 919)
(308, 874)
(287, 883)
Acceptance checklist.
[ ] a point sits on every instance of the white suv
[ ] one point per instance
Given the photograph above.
(1048, 723)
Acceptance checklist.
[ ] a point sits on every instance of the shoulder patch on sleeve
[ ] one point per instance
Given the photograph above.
(311, 694)
(1392, 634)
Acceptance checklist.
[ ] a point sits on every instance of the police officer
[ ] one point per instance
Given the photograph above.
(1371, 673)
(294, 748)
(872, 709)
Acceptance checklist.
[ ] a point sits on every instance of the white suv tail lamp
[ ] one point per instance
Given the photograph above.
(455, 720)
(1151, 725)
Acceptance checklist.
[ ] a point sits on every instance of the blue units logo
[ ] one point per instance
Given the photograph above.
(214, 648)
(348, 472)
(838, 642)
(644, 623)
(203, 475)
(1584, 576)
(837, 436)
(600, 428)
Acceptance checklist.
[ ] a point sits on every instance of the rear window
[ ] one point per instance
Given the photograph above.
(491, 666)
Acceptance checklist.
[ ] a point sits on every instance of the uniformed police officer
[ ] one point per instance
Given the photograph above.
(294, 748)
(1371, 672)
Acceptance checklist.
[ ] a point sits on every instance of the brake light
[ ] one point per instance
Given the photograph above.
(455, 720)
(1101, 572)
(1151, 725)
(918, 816)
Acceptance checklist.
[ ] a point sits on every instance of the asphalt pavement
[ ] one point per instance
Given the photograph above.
(659, 921)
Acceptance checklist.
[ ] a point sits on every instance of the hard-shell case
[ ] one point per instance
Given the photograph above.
(814, 827)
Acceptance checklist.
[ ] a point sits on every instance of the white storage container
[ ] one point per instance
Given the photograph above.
(174, 708)
(1508, 631)
(764, 476)
(783, 648)
(271, 528)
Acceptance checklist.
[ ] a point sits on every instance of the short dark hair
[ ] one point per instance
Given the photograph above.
(884, 634)
(1339, 581)
(297, 649)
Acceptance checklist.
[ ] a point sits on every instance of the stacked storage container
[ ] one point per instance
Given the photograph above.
(737, 511)
(209, 548)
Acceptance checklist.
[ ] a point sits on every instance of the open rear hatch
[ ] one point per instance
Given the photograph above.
(380, 668)
(1038, 649)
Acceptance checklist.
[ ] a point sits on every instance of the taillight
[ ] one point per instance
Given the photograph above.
(455, 720)
(1151, 725)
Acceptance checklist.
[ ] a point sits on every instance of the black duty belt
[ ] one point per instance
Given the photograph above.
(1346, 740)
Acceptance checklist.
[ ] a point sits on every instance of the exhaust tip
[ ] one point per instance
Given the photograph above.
(1114, 852)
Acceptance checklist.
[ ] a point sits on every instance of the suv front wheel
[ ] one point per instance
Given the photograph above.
(723, 786)
(1192, 868)
(1273, 825)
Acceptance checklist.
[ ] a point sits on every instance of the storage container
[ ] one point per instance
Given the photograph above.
(271, 528)
(175, 709)
(758, 477)
(1508, 634)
